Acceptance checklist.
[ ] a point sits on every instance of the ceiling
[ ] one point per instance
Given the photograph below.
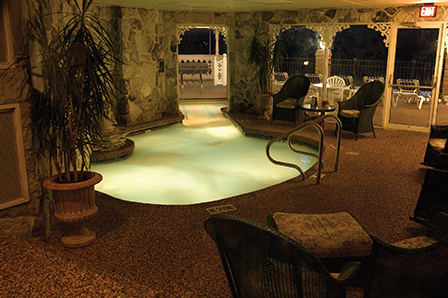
(261, 5)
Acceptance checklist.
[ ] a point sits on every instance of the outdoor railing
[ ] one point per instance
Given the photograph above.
(295, 66)
(358, 68)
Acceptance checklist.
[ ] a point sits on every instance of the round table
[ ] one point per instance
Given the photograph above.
(316, 109)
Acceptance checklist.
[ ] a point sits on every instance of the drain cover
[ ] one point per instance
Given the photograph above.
(220, 209)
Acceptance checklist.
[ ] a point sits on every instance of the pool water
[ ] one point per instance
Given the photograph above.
(206, 158)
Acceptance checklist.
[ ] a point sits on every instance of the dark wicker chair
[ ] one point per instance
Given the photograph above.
(356, 114)
(399, 272)
(286, 103)
(436, 154)
(261, 262)
(433, 197)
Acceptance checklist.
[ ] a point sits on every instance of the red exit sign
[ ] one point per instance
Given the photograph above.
(428, 11)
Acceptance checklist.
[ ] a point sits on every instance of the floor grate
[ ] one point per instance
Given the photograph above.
(221, 209)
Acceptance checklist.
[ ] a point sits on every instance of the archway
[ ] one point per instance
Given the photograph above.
(202, 58)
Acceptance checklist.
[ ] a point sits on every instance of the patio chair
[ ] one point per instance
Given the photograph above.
(350, 91)
(437, 148)
(336, 83)
(433, 197)
(367, 79)
(315, 78)
(416, 267)
(348, 80)
(279, 79)
(259, 261)
(356, 114)
(287, 102)
(408, 90)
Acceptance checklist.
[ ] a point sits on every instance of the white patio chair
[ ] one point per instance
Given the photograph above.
(315, 78)
(338, 84)
(367, 79)
(408, 90)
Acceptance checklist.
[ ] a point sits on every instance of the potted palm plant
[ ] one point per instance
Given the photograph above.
(264, 53)
(74, 93)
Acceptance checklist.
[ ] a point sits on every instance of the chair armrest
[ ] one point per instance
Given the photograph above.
(379, 244)
(439, 131)
(271, 222)
(348, 272)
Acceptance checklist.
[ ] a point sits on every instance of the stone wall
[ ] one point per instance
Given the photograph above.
(20, 220)
(150, 65)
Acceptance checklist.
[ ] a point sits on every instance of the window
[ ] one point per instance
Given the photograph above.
(14, 186)
(5, 36)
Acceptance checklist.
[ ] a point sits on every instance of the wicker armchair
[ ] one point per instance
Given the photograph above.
(433, 197)
(261, 262)
(416, 268)
(436, 154)
(356, 114)
(287, 102)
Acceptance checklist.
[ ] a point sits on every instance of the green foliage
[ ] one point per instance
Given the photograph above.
(264, 54)
(77, 88)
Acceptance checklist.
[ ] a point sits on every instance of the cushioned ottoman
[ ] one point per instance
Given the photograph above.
(334, 235)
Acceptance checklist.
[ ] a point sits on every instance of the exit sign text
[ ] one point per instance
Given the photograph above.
(428, 11)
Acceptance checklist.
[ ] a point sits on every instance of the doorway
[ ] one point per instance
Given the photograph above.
(202, 60)
(412, 88)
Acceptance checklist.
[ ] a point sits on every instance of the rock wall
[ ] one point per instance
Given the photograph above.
(149, 52)
(20, 220)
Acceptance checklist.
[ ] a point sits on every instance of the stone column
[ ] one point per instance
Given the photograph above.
(320, 62)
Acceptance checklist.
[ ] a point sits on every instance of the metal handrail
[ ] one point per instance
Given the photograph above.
(291, 133)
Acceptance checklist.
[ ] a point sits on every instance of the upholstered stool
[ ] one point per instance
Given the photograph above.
(334, 235)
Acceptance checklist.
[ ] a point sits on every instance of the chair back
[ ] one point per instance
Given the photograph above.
(259, 261)
(335, 81)
(369, 94)
(408, 85)
(348, 80)
(433, 198)
(280, 77)
(315, 78)
(367, 79)
(295, 87)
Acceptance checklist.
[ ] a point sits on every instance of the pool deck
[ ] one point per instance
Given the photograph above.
(147, 250)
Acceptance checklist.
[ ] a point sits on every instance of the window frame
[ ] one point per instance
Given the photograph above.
(5, 19)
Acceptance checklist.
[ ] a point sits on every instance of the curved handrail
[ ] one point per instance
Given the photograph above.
(295, 130)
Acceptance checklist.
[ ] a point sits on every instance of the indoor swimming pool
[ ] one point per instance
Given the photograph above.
(206, 158)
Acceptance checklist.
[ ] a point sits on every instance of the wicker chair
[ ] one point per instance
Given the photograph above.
(416, 268)
(437, 149)
(261, 262)
(287, 102)
(432, 199)
(356, 114)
